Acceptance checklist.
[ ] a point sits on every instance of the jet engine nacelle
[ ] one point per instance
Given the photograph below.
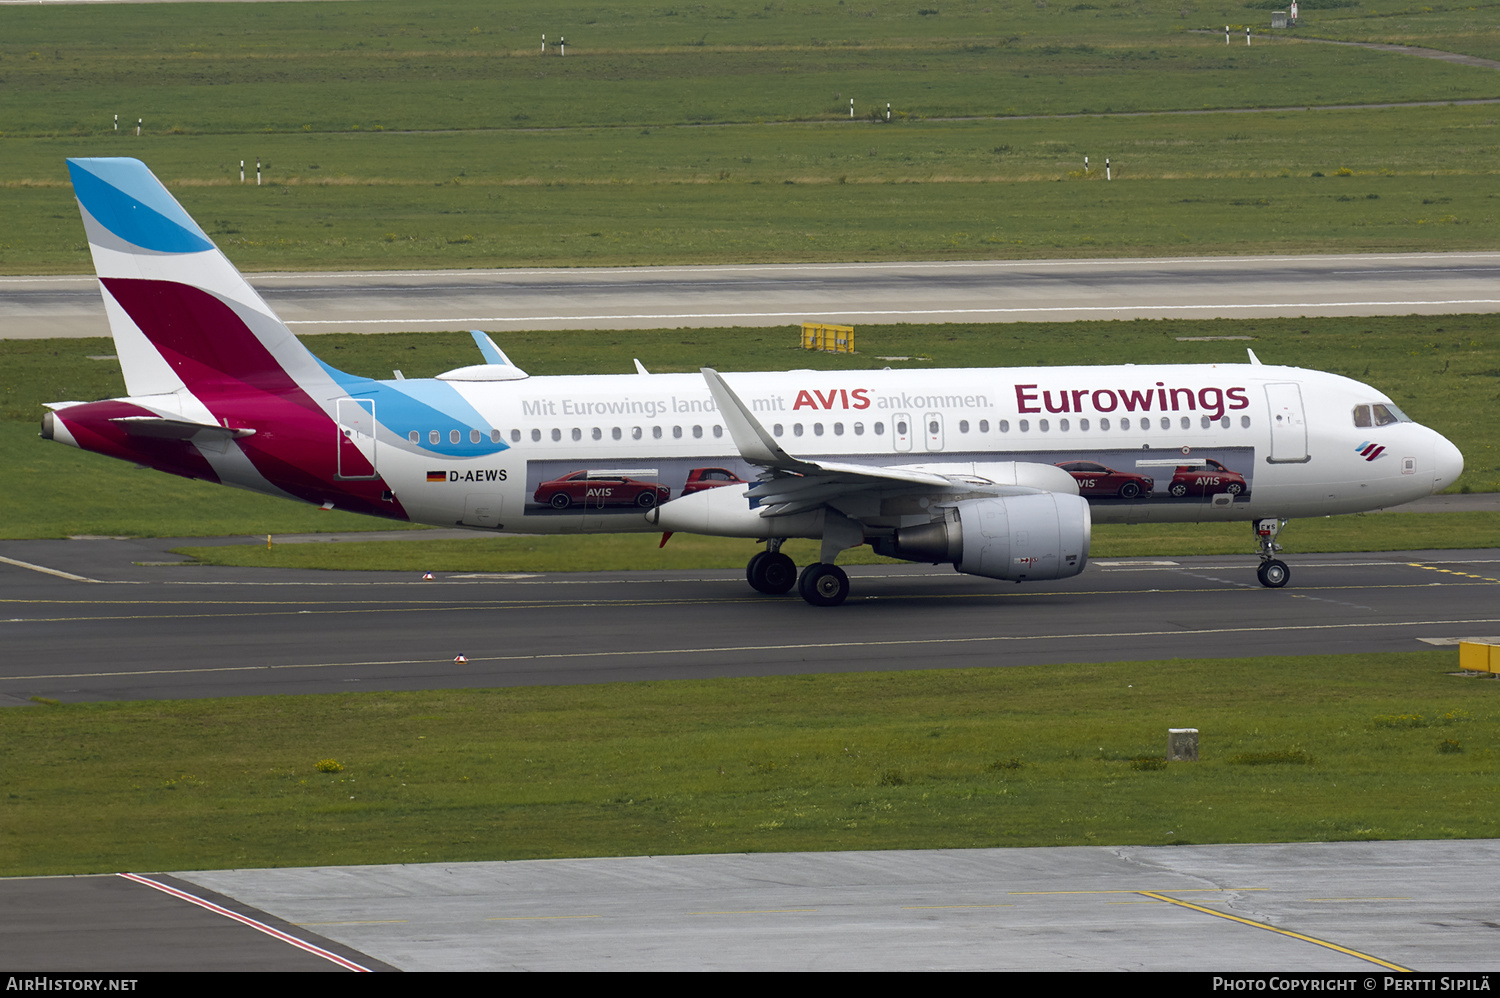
(1017, 538)
(726, 512)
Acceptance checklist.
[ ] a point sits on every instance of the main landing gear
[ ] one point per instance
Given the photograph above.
(1273, 573)
(774, 574)
(770, 571)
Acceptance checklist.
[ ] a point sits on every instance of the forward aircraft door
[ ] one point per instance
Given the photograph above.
(1288, 424)
(356, 441)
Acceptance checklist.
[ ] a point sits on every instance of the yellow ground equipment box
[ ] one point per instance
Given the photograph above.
(832, 339)
(1478, 656)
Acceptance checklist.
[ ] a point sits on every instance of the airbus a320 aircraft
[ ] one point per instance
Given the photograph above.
(1000, 472)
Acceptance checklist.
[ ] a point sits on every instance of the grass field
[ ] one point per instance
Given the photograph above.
(1442, 370)
(1299, 749)
(1465, 28)
(713, 132)
(316, 67)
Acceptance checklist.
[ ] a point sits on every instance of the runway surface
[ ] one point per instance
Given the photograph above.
(985, 291)
(1364, 910)
(80, 620)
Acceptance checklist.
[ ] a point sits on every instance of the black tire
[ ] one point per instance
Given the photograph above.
(823, 585)
(1273, 574)
(1130, 490)
(753, 567)
(778, 574)
(646, 499)
(1234, 488)
(1179, 490)
(560, 501)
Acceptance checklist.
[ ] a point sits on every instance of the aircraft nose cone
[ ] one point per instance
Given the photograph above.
(1447, 464)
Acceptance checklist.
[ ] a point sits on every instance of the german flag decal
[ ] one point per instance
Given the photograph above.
(437, 476)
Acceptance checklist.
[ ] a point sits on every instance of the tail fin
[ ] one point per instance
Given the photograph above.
(180, 313)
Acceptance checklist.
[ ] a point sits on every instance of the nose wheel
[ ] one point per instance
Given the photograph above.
(1273, 573)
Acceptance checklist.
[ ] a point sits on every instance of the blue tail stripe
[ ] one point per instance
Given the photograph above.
(131, 203)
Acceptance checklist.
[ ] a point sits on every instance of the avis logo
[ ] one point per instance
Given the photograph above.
(1370, 451)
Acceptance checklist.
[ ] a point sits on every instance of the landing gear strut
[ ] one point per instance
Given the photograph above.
(1273, 573)
(770, 571)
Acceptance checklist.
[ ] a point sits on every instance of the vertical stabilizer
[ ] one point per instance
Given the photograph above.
(180, 313)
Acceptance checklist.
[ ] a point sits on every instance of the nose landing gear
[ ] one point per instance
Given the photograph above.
(1273, 572)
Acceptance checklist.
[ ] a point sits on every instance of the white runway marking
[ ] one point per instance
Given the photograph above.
(48, 571)
(875, 313)
(246, 920)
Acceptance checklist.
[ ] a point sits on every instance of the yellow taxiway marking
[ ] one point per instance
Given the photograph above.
(758, 911)
(1449, 571)
(936, 907)
(1466, 575)
(407, 605)
(535, 918)
(1175, 890)
(1280, 932)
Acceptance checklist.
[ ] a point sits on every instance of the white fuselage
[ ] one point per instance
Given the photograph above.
(1290, 433)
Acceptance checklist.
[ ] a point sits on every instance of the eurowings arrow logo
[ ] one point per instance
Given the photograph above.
(1370, 451)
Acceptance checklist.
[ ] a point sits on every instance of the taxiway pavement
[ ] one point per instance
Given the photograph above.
(1363, 910)
(84, 620)
(769, 295)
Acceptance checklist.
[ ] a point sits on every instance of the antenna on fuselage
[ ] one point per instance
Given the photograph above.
(1253, 359)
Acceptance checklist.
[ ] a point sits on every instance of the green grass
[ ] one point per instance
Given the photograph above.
(1462, 27)
(1420, 179)
(1293, 749)
(393, 141)
(1443, 370)
(308, 67)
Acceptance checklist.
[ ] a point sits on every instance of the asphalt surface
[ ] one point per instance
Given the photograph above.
(106, 620)
(984, 291)
(1362, 910)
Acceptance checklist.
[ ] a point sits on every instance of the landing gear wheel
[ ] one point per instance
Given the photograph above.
(756, 560)
(772, 573)
(1273, 573)
(823, 585)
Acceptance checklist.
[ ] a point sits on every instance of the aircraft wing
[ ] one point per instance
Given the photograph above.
(793, 485)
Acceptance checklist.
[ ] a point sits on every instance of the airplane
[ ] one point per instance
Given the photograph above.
(939, 466)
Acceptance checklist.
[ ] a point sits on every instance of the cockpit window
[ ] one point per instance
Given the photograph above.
(1379, 414)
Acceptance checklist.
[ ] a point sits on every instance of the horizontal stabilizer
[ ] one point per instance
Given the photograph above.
(163, 428)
